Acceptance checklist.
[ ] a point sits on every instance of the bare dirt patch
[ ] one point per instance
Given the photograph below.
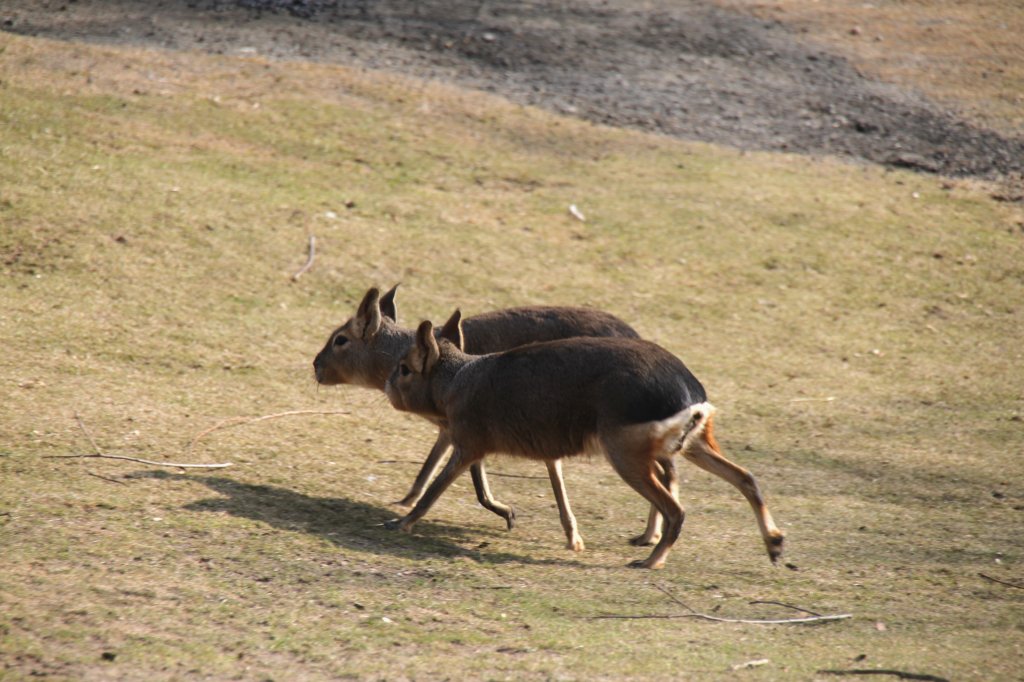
(690, 69)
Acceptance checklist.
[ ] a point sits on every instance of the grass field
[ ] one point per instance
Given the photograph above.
(859, 330)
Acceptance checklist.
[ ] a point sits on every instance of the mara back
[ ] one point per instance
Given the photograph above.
(552, 399)
(502, 330)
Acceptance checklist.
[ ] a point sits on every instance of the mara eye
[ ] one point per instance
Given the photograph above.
(340, 341)
(403, 369)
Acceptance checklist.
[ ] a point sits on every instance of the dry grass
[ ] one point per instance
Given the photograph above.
(858, 329)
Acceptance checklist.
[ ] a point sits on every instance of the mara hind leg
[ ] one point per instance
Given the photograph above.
(652, 533)
(486, 499)
(634, 460)
(701, 448)
(427, 470)
(456, 466)
(572, 535)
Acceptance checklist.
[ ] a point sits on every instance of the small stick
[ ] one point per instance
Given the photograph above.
(106, 478)
(240, 421)
(99, 454)
(745, 621)
(1001, 582)
(141, 461)
(309, 261)
(898, 673)
(788, 606)
(704, 616)
(813, 400)
(497, 473)
(88, 435)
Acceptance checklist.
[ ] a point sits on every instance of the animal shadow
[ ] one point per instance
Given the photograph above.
(347, 523)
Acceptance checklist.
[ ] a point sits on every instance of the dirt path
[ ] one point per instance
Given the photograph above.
(686, 68)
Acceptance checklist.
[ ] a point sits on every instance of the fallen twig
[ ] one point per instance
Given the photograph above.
(817, 618)
(106, 478)
(813, 400)
(903, 675)
(309, 261)
(1001, 582)
(783, 604)
(811, 619)
(498, 473)
(241, 421)
(81, 425)
(99, 454)
(141, 461)
(744, 621)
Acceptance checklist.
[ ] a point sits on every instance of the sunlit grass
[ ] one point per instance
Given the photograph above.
(858, 329)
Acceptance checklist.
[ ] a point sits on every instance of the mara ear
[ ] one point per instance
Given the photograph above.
(367, 319)
(426, 348)
(387, 305)
(452, 330)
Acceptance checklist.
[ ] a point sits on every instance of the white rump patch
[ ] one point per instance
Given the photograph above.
(679, 429)
(684, 426)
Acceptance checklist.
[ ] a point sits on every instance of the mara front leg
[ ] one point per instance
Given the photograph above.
(427, 470)
(456, 466)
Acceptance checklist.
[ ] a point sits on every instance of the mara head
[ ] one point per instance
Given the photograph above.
(410, 386)
(364, 350)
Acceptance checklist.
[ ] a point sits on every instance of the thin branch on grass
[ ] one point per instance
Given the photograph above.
(242, 421)
(175, 465)
(813, 400)
(106, 478)
(99, 454)
(501, 475)
(1001, 582)
(309, 261)
(747, 621)
(903, 675)
(784, 605)
(744, 621)
(81, 425)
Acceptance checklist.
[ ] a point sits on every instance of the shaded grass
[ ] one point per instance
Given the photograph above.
(859, 330)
